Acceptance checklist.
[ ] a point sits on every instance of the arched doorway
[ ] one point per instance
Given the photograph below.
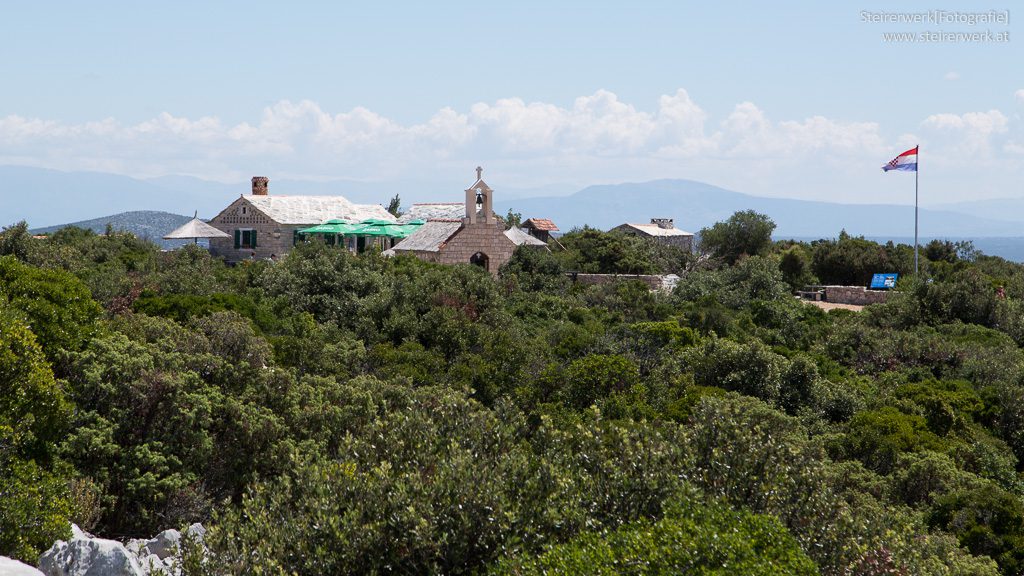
(480, 259)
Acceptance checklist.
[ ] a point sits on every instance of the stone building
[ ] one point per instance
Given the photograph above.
(661, 230)
(261, 225)
(540, 228)
(479, 237)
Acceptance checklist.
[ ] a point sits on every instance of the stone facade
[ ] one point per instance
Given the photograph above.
(272, 238)
(660, 230)
(858, 295)
(482, 238)
(273, 220)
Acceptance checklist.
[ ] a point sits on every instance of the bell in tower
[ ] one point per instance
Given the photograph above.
(479, 206)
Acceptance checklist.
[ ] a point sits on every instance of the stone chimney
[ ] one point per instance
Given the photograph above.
(259, 185)
(666, 223)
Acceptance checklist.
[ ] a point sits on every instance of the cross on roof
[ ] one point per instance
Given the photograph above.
(479, 171)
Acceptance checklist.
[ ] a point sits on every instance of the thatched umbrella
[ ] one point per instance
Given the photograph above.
(195, 229)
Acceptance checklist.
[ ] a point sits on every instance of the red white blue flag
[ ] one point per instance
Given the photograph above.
(906, 162)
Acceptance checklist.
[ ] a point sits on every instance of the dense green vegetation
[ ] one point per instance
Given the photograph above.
(332, 413)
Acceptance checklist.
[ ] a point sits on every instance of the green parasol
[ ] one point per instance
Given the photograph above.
(331, 227)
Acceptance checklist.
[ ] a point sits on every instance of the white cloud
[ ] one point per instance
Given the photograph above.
(1019, 94)
(972, 132)
(598, 137)
(747, 132)
(951, 76)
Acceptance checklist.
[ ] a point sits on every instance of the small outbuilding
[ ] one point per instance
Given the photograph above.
(661, 230)
(540, 228)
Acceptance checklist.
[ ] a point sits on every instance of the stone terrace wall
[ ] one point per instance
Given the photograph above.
(858, 295)
(653, 282)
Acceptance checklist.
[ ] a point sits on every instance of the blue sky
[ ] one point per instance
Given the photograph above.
(803, 99)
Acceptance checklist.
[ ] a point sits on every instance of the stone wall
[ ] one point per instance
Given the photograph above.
(652, 281)
(488, 239)
(858, 295)
(683, 242)
(424, 255)
(271, 238)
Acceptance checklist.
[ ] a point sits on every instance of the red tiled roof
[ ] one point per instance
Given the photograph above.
(541, 224)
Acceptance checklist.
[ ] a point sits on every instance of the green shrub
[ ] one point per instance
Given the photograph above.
(698, 539)
(878, 437)
(598, 376)
(750, 369)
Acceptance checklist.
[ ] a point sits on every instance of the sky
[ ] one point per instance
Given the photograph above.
(784, 99)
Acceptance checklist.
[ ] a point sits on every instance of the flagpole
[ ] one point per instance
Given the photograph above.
(917, 171)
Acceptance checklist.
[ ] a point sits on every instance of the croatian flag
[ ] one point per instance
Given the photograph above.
(906, 161)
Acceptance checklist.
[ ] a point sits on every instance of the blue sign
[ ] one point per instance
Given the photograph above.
(884, 281)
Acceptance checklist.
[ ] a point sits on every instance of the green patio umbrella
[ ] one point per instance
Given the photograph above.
(331, 227)
(409, 227)
(389, 230)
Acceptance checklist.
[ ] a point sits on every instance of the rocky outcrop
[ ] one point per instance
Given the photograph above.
(86, 555)
(11, 567)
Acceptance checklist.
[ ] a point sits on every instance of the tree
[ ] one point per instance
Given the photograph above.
(34, 504)
(513, 219)
(853, 260)
(796, 267)
(57, 305)
(595, 252)
(744, 233)
(16, 240)
(987, 520)
(395, 206)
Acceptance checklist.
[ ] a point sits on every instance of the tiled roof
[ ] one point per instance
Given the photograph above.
(655, 230)
(518, 237)
(430, 236)
(541, 224)
(433, 210)
(315, 209)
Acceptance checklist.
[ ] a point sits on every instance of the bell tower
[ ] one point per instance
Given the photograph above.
(479, 201)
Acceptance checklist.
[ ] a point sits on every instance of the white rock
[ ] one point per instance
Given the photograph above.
(135, 546)
(152, 565)
(197, 531)
(77, 532)
(164, 544)
(11, 567)
(89, 557)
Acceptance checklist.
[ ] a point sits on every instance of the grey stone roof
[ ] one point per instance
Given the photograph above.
(429, 237)
(433, 210)
(518, 237)
(315, 209)
(654, 230)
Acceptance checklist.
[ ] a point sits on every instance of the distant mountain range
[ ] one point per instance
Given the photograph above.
(146, 224)
(49, 197)
(695, 205)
